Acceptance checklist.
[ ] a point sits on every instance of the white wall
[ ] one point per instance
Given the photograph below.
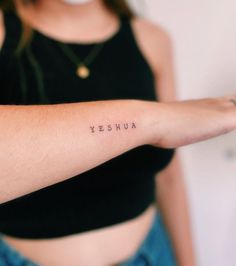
(204, 36)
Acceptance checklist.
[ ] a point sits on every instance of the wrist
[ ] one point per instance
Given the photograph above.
(151, 121)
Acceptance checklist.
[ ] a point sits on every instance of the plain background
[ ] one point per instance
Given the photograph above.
(204, 37)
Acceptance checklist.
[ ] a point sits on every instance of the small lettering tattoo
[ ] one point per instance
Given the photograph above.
(110, 127)
(126, 126)
(133, 125)
(117, 126)
(92, 129)
(101, 128)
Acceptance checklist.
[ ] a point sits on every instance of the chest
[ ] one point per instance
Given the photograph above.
(43, 73)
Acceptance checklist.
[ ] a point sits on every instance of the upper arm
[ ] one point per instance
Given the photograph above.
(2, 31)
(156, 45)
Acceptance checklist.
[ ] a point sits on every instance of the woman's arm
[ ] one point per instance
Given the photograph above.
(44, 144)
(171, 194)
(173, 203)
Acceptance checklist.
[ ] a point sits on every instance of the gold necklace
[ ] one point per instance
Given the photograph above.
(82, 69)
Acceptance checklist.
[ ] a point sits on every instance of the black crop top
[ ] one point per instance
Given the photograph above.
(113, 192)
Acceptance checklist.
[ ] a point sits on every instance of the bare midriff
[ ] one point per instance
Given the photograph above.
(108, 246)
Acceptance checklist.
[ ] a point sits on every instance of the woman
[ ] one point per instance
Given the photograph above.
(84, 63)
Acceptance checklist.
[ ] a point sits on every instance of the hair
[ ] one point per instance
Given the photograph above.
(118, 7)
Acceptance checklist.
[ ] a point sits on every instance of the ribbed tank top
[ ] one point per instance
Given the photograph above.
(113, 192)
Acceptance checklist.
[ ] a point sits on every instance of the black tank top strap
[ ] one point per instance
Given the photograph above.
(129, 35)
(125, 28)
(126, 25)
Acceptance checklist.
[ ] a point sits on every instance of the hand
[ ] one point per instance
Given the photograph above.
(185, 122)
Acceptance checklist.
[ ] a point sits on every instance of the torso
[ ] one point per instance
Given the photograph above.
(110, 245)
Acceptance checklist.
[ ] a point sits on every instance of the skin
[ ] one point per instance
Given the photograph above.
(203, 118)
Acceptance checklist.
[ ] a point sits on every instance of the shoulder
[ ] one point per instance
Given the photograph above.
(154, 41)
(1, 29)
(150, 30)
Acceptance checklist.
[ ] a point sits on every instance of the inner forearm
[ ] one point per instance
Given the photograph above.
(44, 144)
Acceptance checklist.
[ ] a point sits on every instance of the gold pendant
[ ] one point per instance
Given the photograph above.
(82, 71)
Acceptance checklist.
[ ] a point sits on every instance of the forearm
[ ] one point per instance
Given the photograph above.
(173, 203)
(44, 144)
(41, 145)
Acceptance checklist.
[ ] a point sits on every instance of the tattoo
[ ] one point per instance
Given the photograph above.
(115, 127)
(101, 128)
(92, 129)
(133, 125)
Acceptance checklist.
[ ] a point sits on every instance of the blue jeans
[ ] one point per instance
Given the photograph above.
(155, 250)
(10, 257)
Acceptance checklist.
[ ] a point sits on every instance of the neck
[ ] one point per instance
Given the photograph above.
(83, 12)
(61, 20)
